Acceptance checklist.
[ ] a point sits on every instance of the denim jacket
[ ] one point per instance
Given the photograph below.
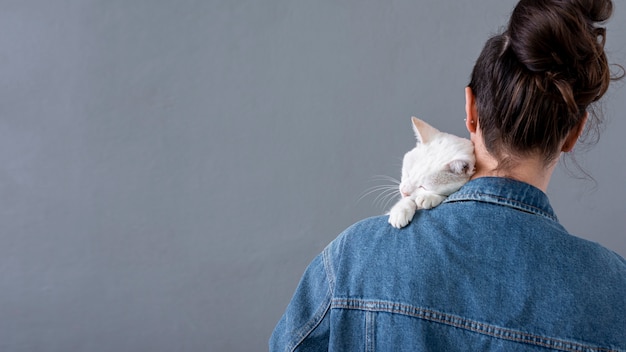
(490, 269)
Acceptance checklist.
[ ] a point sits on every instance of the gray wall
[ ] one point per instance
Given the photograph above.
(169, 168)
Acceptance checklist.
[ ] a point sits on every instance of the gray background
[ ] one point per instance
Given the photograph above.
(169, 168)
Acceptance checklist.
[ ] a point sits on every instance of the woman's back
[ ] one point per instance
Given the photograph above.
(490, 269)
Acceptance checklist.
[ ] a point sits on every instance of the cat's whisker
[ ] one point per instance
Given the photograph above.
(375, 189)
(385, 197)
(386, 178)
(379, 198)
(384, 193)
(390, 197)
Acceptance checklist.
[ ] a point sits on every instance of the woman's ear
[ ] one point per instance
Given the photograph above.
(574, 134)
(471, 114)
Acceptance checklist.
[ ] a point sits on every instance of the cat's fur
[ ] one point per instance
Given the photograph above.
(439, 165)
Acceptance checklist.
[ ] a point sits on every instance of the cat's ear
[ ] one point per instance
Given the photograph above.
(423, 131)
(459, 167)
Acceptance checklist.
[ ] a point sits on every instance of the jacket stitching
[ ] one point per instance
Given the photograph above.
(321, 312)
(370, 332)
(312, 324)
(481, 197)
(330, 274)
(316, 320)
(463, 323)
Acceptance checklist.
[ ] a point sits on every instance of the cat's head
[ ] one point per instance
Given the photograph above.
(440, 163)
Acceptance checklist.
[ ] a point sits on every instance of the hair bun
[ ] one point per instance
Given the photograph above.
(596, 10)
(550, 34)
(560, 42)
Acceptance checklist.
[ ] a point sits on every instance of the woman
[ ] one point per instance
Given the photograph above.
(490, 268)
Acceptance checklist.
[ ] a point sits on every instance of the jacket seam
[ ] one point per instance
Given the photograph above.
(321, 312)
(312, 324)
(466, 324)
(370, 331)
(484, 197)
(330, 274)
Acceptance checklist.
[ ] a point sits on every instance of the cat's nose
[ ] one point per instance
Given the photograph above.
(405, 194)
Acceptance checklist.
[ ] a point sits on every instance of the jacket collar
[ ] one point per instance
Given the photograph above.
(507, 192)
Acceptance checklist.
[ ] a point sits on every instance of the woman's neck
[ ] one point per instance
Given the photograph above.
(531, 170)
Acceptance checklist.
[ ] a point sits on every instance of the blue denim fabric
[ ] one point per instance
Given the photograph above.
(490, 269)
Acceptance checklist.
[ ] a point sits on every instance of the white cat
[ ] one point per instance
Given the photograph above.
(439, 165)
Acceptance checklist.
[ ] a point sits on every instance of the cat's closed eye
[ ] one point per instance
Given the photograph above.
(459, 167)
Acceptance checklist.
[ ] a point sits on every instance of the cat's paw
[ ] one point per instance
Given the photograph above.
(428, 200)
(402, 213)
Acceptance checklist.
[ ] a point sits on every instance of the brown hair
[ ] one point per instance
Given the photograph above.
(534, 83)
